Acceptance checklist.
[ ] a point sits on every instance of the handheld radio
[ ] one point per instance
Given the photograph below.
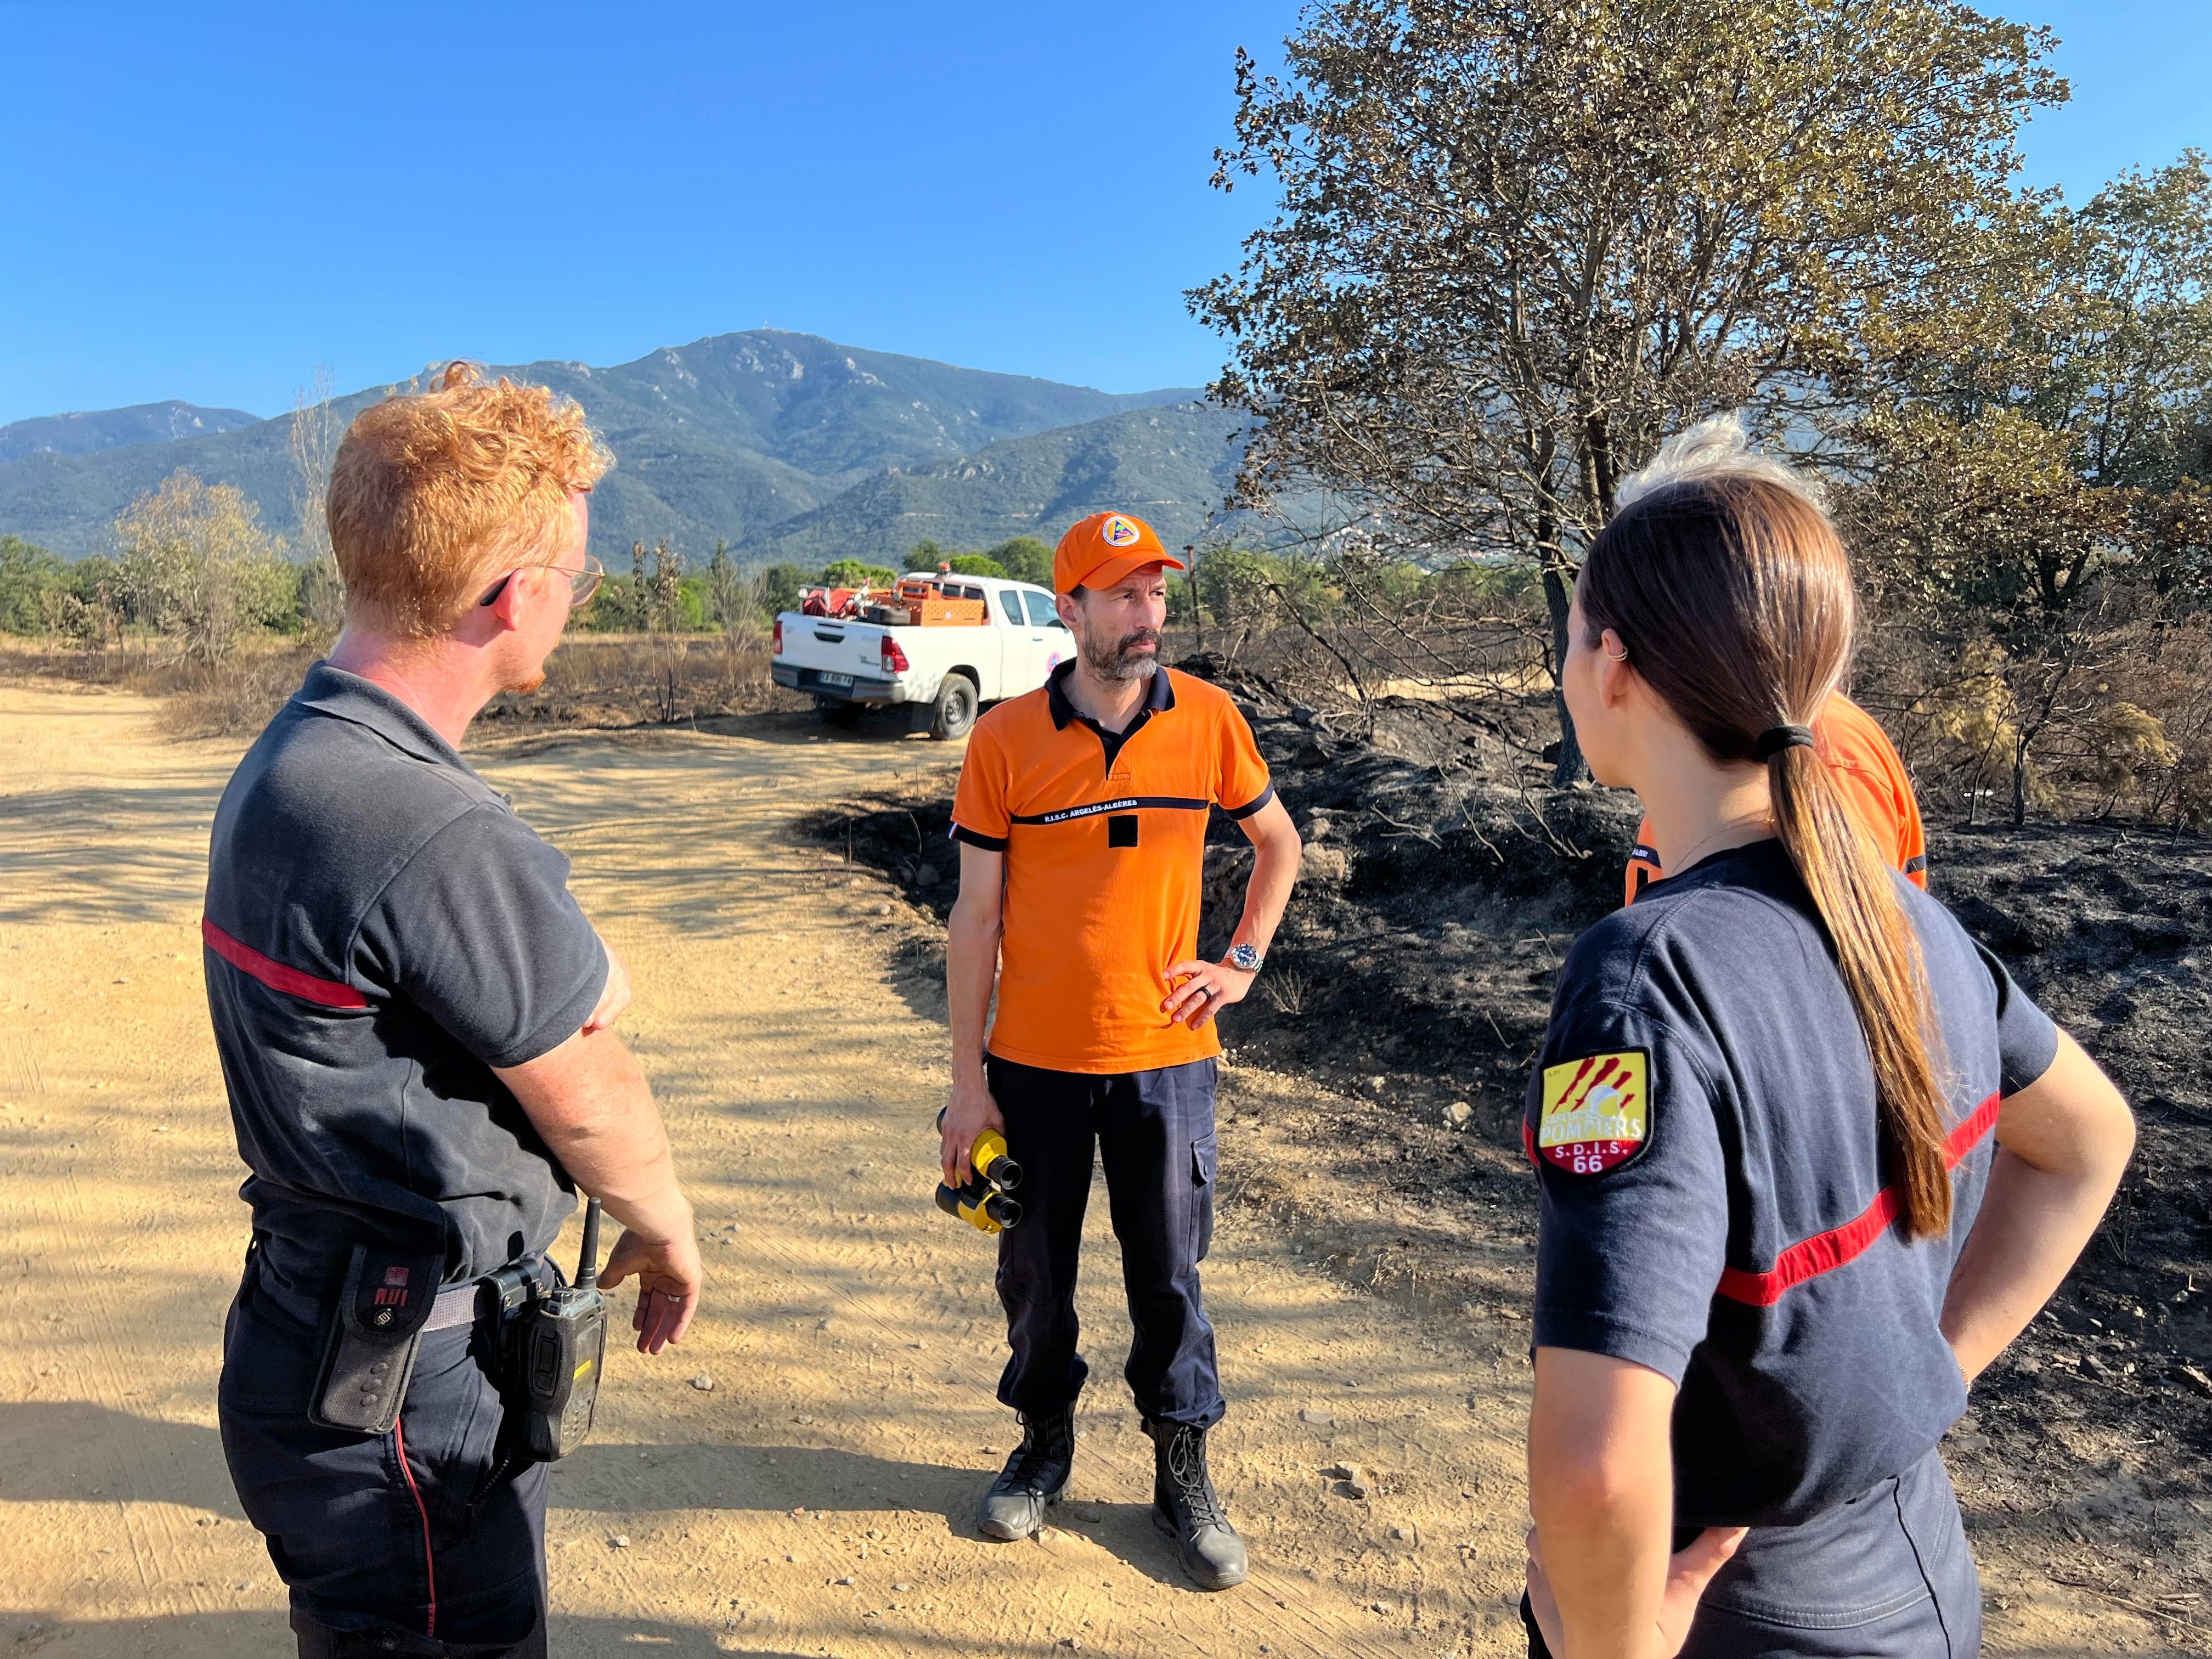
(562, 1347)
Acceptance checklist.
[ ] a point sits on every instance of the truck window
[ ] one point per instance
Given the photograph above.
(1042, 613)
(1010, 605)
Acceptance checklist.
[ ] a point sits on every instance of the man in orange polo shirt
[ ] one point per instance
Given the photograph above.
(1874, 781)
(1082, 813)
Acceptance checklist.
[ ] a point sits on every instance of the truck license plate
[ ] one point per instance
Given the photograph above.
(836, 679)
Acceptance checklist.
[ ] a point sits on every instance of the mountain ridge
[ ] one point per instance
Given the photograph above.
(717, 440)
(1171, 465)
(86, 431)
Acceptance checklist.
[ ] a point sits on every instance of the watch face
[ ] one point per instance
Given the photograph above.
(1245, 957)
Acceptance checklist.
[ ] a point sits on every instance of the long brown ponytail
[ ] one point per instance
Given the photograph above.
(1727, 583)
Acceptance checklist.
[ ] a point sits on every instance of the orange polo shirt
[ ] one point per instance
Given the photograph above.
(1105, 836)
(1875, 784)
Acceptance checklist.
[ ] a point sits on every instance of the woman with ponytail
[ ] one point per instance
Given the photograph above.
(1808, 1157)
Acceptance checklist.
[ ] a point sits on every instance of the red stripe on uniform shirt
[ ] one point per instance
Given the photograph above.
(275, 976)
(1824, 1252)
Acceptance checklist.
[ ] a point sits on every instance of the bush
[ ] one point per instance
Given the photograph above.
(976, 564)
(195, 564)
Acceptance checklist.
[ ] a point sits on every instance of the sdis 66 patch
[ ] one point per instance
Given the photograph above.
(1597, 1112)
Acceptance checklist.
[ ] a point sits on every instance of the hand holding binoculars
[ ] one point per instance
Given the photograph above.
(982, 1201)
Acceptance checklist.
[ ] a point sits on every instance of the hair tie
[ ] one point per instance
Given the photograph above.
(1776, 739)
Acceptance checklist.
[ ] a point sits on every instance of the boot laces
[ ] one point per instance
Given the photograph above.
(1187, 1468)
(1043, 1443)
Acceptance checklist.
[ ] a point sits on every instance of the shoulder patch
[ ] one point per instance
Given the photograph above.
(1597, 1112)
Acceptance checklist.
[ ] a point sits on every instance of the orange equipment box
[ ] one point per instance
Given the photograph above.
(951, 613)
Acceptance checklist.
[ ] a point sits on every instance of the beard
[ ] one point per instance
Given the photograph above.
(528, 683)
(1122, 659)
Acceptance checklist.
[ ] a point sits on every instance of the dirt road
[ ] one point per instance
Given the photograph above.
(815, 1499)
(797, 1480)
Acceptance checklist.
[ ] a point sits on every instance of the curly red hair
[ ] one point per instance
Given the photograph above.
(431, 492)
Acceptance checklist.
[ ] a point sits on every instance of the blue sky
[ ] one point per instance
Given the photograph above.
(204, 201)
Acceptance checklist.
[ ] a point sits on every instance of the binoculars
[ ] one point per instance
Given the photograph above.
(982, 1201)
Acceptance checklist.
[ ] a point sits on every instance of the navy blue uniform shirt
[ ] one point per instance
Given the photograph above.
(1713, 1197)
(381, 931)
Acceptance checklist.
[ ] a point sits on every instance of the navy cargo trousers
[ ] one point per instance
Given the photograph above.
(1153, 1132)
(421, 1543)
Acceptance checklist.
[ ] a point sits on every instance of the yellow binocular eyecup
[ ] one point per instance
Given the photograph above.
(980, 1206)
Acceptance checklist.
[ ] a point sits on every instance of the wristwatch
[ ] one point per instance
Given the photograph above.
(1245, 958)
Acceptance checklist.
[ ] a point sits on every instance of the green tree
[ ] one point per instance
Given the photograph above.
(851, 572)
(31, 580)
(724, 600)
(778, 587)
(1024, 559)
(1244, 589)
(976, 564)
(694, 605)
(1232, 585)
(613, 610)
(1516, 245)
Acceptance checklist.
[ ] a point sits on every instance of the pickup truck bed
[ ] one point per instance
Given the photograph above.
(945, 673)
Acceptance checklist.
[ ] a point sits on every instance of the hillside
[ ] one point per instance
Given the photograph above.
(1170, 465)
(836, 412)
(720, 439)
(91, 430)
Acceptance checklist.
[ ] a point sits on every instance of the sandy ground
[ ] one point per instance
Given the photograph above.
(798, 1479)
(816, 1498)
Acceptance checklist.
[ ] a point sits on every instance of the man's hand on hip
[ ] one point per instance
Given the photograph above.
(971, 1111)
(1209, 988)
(668, 1274)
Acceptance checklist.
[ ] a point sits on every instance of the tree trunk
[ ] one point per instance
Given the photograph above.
(1556, 599)
(2019, 781)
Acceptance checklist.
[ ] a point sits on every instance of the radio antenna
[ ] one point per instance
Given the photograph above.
(587, 1259)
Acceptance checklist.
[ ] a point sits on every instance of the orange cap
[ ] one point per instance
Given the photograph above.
(1104, 548)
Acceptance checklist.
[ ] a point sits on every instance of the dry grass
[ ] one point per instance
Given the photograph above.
(598, 680)
(643, 680)
(237, 696)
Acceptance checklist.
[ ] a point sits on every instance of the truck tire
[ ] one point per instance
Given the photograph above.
(953, 714)
(840, 712)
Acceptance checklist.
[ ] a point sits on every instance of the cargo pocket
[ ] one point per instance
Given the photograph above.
(1203, 1153)
(453, 1415)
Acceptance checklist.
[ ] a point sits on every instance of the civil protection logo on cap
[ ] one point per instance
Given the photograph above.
(1120, 532)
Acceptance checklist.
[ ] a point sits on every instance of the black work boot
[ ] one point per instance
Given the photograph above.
(1036, 1476)
(1185, 1504)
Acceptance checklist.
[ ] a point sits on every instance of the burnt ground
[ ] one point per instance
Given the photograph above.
(1408, 990)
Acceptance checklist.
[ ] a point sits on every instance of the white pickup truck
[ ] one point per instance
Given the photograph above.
(945, 672)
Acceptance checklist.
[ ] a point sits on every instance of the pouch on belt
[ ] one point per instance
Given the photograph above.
(373, 1331)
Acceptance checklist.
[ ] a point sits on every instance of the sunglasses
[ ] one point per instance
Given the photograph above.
(582, 584)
